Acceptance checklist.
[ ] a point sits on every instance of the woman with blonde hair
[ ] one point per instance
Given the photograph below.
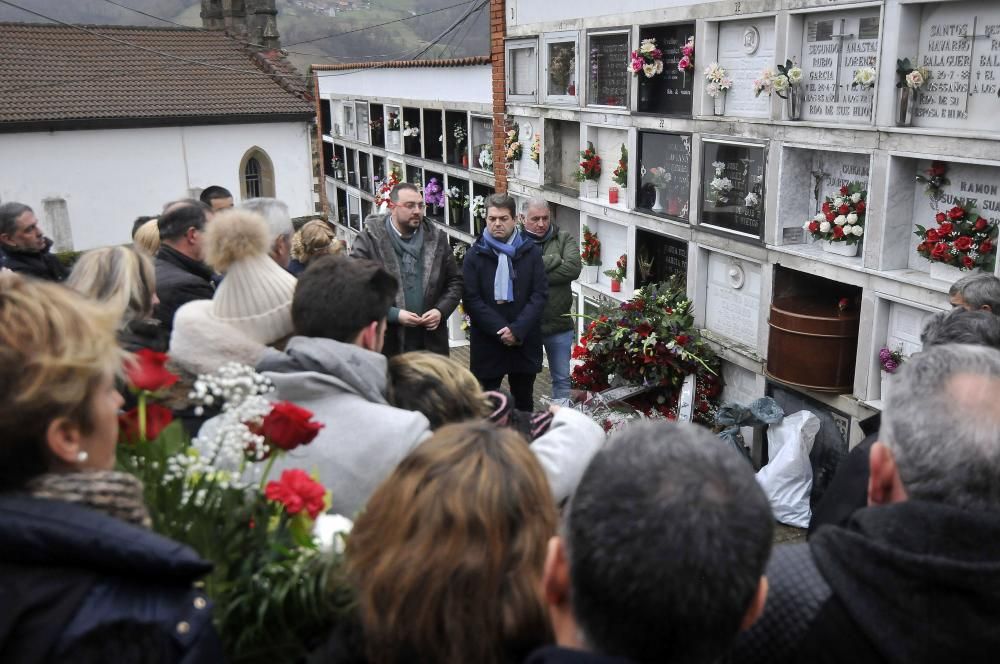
(315, 238)
(125, 280)
(77, 559)
(147, 237)
(447, 558)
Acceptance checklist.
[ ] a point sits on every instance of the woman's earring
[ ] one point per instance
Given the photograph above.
(82, 456)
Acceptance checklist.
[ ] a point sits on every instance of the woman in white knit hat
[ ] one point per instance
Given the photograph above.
(252, 307)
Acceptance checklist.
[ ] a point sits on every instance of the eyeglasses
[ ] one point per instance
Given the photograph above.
(413, 206)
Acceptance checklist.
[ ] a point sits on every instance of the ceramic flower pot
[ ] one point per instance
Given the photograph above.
(588, 275)
(841, 248)
(949, 273)
(657, 204)
(885, 386)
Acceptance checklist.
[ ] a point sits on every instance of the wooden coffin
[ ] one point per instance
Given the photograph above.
(812, 344)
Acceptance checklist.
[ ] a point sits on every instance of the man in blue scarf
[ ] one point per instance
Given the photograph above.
(505, 294)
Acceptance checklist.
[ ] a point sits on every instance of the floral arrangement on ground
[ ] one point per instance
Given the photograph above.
(651, 341)
(962, 239)
(277, 586)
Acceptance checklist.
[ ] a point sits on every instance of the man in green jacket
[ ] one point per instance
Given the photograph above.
(561, 258)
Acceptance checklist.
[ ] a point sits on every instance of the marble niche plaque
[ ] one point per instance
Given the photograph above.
(733, 299)
(835, 46)
(813, 175)
(670, 93)
(960, 46)
(527, 128)
(746, 48)
(732, 187)
(905, 325)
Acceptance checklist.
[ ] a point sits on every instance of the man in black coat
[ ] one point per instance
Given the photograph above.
(914, 577)
(418, 255)
(181, 276)
(23, 247)
(505, 294)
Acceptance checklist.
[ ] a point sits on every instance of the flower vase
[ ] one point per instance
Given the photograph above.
(517, 169)
(657, 204)
(793, 107)
(588, 274)
(674, 207)
(590, 188)
(841, 248)
(949, 273)
(884, 386)
(616, 286)
(719, 103)
(905, 99)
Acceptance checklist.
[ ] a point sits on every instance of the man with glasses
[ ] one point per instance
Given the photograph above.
(417, 253)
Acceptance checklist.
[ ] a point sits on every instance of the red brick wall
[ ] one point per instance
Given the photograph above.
(498, 30)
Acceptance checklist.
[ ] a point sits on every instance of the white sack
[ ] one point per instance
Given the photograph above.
(787, 478)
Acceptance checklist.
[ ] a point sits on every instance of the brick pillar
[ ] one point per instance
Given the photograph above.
(498, 30)
(319, 168)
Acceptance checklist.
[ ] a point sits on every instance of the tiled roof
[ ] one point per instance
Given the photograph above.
(403, 64)
(53, 75)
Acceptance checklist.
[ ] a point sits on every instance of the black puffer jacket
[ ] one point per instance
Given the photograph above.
(68, 573)
(179, 280)
(39, 264)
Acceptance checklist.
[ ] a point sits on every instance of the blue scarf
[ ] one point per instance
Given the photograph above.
(503, 284)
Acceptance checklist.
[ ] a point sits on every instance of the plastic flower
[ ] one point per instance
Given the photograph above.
(297, 492)
(915, 80)
(287, 426)
(795, 75)
(780, 83)
(148, 371)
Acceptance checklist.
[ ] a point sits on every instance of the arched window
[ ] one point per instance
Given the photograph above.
(256, 175)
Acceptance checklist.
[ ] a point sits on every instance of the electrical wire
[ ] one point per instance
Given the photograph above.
(453, 26)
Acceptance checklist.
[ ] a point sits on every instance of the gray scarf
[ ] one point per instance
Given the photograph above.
(115, 493)
(408, 251)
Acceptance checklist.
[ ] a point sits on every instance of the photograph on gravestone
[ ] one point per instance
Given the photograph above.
(669, 93)
(658, 257)
(836, 46)
(607, 82)
(732, 187)
(663, 184)
(960, 45)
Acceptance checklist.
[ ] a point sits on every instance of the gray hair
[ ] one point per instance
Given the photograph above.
(535, 202)
(668, 535)
(961, 326)
(275, 212)
(978, 290)
(9, 212)
(946, 446)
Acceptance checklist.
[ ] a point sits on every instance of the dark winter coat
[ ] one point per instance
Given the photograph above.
(442, 280)
(909, 583)
(489, 357)
(179, 280)
(561, 258)
(39, 264)
(848, 490)
(69, 572)
(139, 334)
(559, 655)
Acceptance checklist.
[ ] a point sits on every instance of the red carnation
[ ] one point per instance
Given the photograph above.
(297, 491)
(956, 213)
(860, 207)
(838, 231)
(826, 207)
(968, 263)
(844, 209)
(814, 226)
(986, 247)
(157, 419)
(932, 235)
(940, 251)
(579, 351)
(945, 229)
(940, 217)
(963, 243)
(844, 190)
(287, 426)
(147, 371)
(830, 217)
(980, 224)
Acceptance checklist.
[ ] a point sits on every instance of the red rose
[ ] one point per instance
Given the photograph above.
(932, 235)
(940, 217)
(980, 224)
(838, 231)
(844, 209)
(579, 351)
(826, 207)
(287, 426)
(830, 217)
(968, 263)
(860, 207)
(922, 247)
(844, 190)
(157, 419)
(814, 226)
(644, 330)
(986, 247)
(147, 371)
(945, 229)
(681, 339)
(941, 251)
(963, 243)
(297, 491)
(956, 213)
(937, 169)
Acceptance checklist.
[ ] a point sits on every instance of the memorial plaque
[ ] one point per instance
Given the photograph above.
(529, 170)
(905, 325)
(960, 46)
(664, 164)
(608, 67)
(658, 257)
(746, 48)
(732, 188)
(834, 47)
(733, 299)
(669, 93)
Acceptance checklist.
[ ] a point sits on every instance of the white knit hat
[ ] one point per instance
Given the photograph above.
(255, 297)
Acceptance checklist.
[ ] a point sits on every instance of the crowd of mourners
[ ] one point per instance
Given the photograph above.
(486, 530)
